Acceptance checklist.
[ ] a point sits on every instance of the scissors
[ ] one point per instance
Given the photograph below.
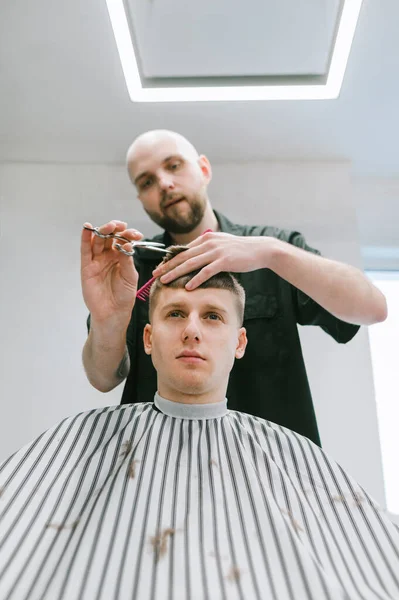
(156, 246)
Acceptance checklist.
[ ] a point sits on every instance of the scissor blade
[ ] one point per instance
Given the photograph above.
(148, 244)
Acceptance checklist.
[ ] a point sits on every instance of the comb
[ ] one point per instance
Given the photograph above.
(144, 292)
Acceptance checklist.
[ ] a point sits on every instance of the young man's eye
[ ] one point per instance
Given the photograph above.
(174, 313)
(214, 317)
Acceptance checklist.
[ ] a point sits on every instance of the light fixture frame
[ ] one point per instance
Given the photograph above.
(240, 88)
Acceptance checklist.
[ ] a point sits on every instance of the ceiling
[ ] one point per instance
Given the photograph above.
(63, 97)
(176, 41)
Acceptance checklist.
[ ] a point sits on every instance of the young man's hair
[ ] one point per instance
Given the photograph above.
(220, 281)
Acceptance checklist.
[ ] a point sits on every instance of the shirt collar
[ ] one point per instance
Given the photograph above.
(191, 411)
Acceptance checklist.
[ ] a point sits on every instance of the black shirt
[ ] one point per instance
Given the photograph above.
(270, 381)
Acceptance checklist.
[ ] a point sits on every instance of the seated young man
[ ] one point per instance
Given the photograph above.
(181, 498)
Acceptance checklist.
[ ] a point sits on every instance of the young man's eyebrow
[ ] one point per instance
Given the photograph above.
(183, 305)
(173, 305)
(216, 308)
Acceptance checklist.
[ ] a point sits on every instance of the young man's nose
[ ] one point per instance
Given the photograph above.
(192, 330)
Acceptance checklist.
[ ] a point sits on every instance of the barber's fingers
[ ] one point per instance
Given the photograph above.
(194, 263)
(99, 244)
(113, 226)
(92, 245)
(205, 273)
(126, 263)
(180, 259)
(85, 246)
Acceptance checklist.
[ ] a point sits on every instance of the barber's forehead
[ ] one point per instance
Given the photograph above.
(157, 146)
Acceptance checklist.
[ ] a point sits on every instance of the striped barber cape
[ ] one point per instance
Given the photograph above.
(168, 501)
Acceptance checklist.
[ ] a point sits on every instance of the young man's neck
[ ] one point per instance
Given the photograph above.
(209, 221)
(183, 398)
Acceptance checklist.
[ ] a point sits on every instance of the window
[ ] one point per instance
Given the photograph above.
(384, 341)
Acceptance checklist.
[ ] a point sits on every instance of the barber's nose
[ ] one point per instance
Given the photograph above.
(166, 182)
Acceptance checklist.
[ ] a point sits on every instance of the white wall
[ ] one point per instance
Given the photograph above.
(43, 315)
(377, 203)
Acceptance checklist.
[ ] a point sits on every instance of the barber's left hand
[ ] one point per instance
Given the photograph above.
(214, 253)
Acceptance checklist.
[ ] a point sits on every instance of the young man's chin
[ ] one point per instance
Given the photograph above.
(190, 384)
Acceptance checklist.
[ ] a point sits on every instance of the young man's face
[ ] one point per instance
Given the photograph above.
(193, 340)
(171, 183)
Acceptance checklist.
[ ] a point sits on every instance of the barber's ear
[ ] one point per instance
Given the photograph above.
(205, 167)
(242, 342)
(147, 338)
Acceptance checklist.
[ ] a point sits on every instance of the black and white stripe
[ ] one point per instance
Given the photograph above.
(128, 502)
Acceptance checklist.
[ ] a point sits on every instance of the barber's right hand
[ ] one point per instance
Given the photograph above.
(109, 277)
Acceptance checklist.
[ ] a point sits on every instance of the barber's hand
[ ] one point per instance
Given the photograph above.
(109, 277)
(214, 253)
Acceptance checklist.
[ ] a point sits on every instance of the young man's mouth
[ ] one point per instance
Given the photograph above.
(191, 357)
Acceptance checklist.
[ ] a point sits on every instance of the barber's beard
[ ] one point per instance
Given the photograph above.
(173, 221)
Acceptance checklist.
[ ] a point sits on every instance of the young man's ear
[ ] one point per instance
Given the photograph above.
(242, 342)
(147, 338)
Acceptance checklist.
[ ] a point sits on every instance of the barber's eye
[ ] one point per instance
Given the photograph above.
(174, 166)
(145, 185)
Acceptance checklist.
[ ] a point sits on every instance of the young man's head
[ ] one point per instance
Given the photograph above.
(171, 179)
(194, 336)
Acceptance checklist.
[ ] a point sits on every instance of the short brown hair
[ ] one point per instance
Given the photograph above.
(220, 281)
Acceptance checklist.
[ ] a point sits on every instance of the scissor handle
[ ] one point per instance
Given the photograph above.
(95, 230)
(107, 236)
(117, 236)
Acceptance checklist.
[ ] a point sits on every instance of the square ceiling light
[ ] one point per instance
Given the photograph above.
(318, 84)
